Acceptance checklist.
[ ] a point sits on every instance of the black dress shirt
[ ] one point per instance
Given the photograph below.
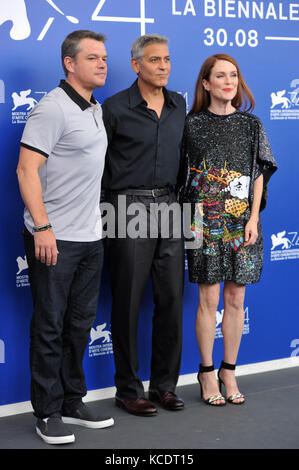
(143, 149)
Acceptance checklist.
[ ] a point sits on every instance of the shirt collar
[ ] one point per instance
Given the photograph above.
(74, 95)
(136, 98)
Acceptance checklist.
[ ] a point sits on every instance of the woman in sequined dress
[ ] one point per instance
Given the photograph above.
(227, 162)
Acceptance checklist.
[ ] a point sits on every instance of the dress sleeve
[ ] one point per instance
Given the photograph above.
(263, 162)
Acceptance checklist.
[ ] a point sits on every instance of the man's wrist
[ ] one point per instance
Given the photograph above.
(42, 228)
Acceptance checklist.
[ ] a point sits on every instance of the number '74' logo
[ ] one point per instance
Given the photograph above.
(16, 13)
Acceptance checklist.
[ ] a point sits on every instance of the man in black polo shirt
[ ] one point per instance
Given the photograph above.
(144, 126)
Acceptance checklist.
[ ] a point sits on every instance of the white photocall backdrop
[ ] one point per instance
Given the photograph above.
(263, 36)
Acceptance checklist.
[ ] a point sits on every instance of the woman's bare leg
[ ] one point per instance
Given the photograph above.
(205, 325)
(232, 329)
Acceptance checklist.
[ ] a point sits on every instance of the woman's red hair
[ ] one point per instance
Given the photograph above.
(202, 97)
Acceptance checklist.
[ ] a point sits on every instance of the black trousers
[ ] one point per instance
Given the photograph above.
(65, 300)
(131, 261)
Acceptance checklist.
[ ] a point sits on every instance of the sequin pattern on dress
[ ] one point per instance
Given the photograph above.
(225, 154)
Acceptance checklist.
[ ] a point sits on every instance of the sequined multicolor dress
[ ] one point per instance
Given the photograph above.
(223, 155)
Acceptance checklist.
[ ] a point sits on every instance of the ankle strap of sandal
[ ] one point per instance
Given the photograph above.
(206, 368)
(226, 365)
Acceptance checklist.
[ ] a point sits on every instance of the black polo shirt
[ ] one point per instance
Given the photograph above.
(143, 150)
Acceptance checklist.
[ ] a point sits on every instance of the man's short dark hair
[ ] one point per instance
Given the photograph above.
(70, 46)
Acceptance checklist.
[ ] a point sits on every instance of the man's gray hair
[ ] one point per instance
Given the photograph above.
(137, 50)
(70, 46)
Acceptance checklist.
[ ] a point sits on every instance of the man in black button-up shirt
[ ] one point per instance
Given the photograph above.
(144, 150)
(144, 126)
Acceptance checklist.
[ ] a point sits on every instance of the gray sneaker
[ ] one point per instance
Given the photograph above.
(83, 416)
(53, 431)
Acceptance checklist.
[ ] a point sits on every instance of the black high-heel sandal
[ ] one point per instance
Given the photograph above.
(213, 398)
(235, 396)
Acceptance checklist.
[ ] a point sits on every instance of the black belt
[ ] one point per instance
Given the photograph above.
(155, 192)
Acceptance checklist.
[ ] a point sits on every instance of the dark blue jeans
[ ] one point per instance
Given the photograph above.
(65, 300)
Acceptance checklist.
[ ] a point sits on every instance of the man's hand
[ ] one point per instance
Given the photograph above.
(46, 247)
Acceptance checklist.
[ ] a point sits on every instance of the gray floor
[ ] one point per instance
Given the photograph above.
(268, 420)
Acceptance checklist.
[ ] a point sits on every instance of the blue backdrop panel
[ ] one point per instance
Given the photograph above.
(263, 37)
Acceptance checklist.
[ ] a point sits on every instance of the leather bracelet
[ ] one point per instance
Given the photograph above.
(42, 228)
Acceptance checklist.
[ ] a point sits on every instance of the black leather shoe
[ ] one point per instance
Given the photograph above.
(139, 406)
(169, 400)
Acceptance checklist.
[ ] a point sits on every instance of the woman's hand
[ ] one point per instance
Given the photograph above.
(251, 232)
